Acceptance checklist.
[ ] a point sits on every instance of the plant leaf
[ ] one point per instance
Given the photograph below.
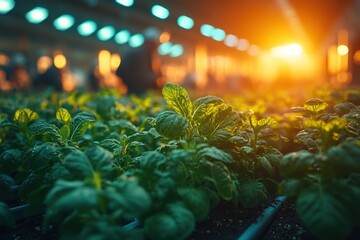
(175, 222)
(214, 153)
(251, 193)
(6, 218)
(152, 160)
(223, 182)
(42, 156)
(202, 104)
(122, 126)
(10, 160)
(344, 108)
(65, 132)
(315, 105)
(100, 158)
(323, 214)
(217, 126)
(66, 197)
(130, 197)
(63, 115)
(178, 99)
(296, 164)
(6, 182)
(170, 124)
(79, 125)
(196, 201)
(78, 164)
(25, 115)
(41, 127)
(291, 187)
(345, 157)
(265, 163)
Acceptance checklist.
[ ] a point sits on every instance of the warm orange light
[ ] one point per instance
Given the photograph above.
(164, 37)
(267, 67)
(333, 59)
(68, 82)
(342, 50)
(59, 61)
(173, 72)
(4, 60)
(104, 62)
(115, 61)
(357, 57)
(253, 50)
(287, 50)
(43, 63)
(201, 66)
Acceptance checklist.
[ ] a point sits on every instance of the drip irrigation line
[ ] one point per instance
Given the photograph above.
(256, 229)
(132, 225)
(19, 208)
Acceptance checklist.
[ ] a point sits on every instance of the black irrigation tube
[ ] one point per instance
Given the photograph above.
(253, 232)
(18, 212)
(132, 225)
(18, 209)
(256, 230)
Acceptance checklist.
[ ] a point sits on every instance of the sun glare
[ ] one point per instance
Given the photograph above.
(287, 50)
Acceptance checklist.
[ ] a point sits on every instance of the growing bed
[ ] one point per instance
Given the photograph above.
(87, 165)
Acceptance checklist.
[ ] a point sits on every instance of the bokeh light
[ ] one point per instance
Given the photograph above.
(342, 50)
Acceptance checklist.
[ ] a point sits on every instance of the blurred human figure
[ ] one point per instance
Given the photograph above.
(212, 84)
(139, 69)
(189, 81)
(17, 75)
(52, 77)
(94, 79)
(5, 85)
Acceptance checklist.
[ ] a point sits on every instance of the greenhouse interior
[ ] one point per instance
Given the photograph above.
(180, 119)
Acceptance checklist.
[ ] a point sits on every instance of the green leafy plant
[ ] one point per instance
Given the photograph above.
(324, 183)
(208, 120)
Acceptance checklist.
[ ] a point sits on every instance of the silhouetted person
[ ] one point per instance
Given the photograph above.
(94, 79)
(17, 74)
(189, 81)
(137, 69)
(52, 77)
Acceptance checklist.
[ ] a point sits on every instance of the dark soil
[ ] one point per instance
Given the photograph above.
(223, 223)
(287, 225)
(28, 229)
(227, 223)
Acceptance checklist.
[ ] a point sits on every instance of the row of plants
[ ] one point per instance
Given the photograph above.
(95, 162)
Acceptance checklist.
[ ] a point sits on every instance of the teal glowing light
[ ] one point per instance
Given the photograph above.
(87, 28)
(160, 12)
(165, 48)
(136, 40)
(122, 37)
(37, 15)
(185, 22)
(64, 22)
(206, 30)
(176, 50)
(125, 3)
(218, 34)
(231, 40)
(6, 6)
(106, 33)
